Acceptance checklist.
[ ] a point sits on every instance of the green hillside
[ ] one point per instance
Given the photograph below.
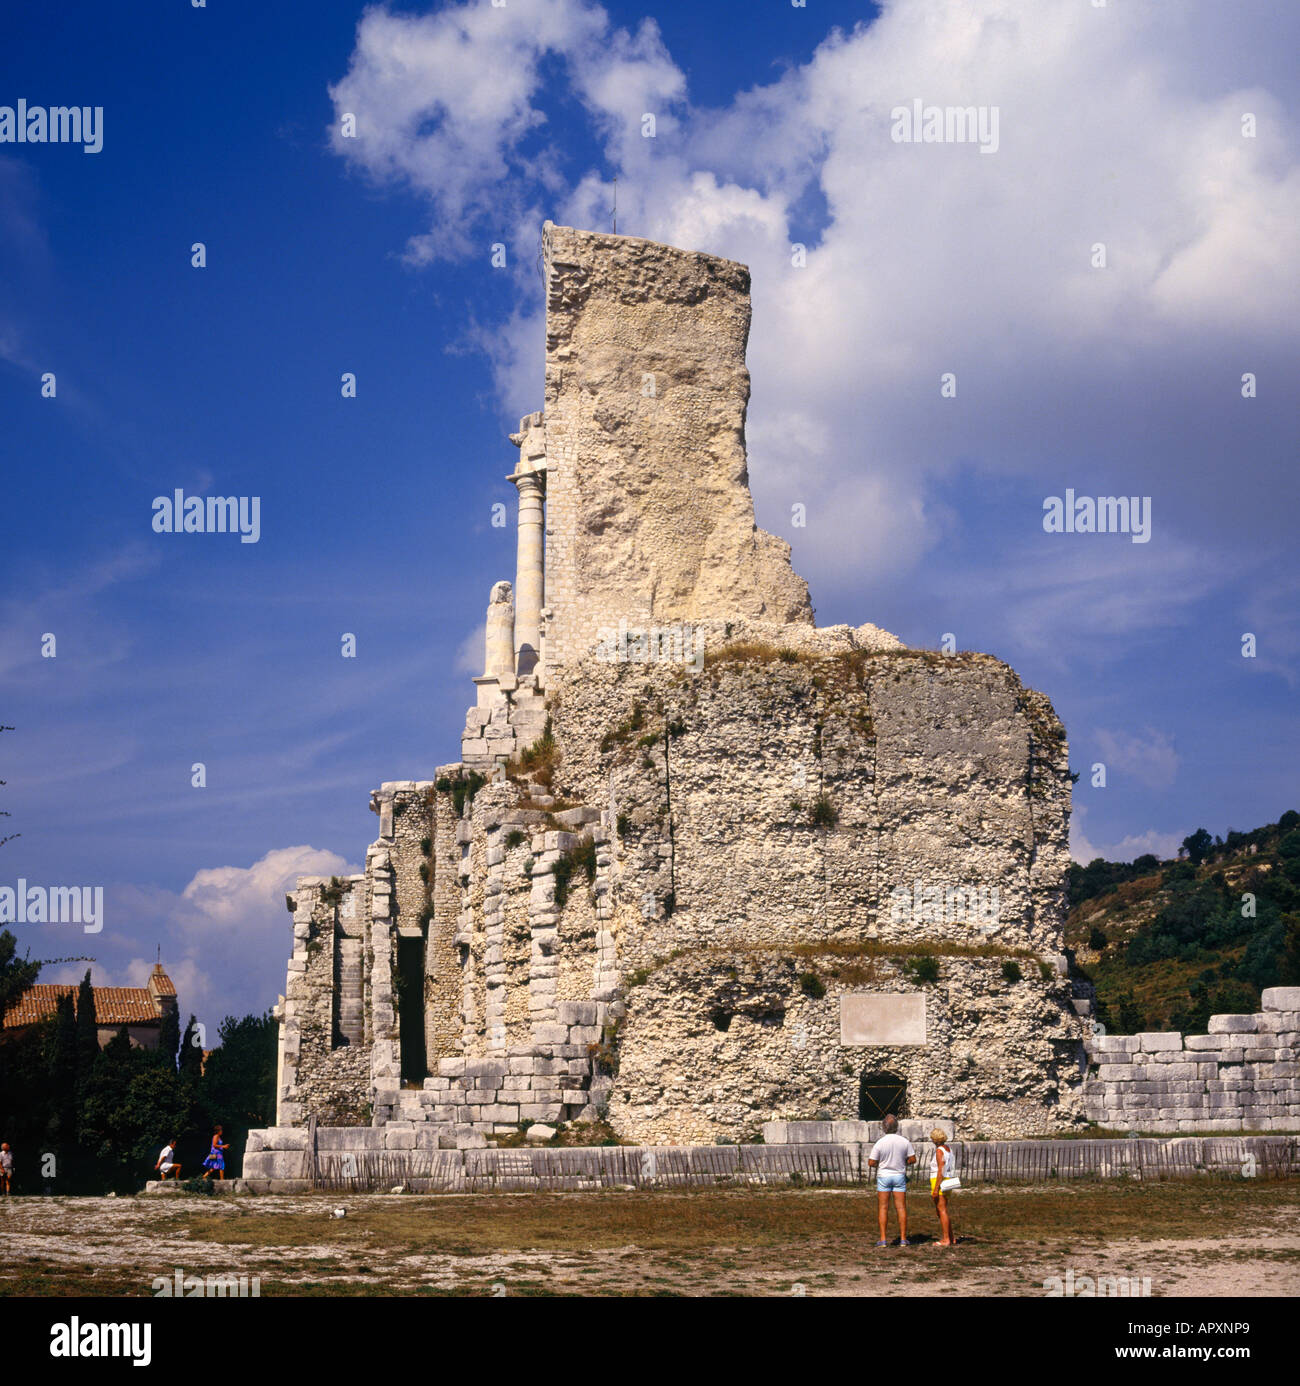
(1169, 943)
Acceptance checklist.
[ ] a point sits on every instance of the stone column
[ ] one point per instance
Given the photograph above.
(530, 580)
(499, 655)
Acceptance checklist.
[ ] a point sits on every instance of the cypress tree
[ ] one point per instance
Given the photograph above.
(169, 1040)
(191, 1059)
(87, 1031)
(61, 1066)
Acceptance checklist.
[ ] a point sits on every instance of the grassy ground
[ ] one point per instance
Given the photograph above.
(1189, 1236)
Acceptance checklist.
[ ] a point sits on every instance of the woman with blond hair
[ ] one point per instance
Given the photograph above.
(943, 1181)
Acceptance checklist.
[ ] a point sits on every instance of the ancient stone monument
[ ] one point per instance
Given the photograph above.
(701, 866)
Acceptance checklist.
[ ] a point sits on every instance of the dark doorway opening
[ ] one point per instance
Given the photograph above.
(410, 1009)
(880, 1094)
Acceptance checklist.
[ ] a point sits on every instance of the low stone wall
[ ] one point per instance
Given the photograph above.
(1243, 1075)
(347, 1160)
(915, 1129)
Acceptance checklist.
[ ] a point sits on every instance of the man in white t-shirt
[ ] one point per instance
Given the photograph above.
(166, 1162)
(890, 1157)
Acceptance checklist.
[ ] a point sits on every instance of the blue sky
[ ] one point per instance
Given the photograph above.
(1120, 124)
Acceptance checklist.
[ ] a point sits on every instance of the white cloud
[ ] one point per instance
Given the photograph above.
(224, 938)
(246, 898)
(1148, 757)
(445, 102)
(1115, 126)
(1128, 848)
(471, 652)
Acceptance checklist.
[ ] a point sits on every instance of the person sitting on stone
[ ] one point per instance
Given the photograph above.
(943, 1170)
(890, 1157)
(166, 1163)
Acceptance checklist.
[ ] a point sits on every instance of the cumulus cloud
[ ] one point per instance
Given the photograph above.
(1116, 127)
(449, 103)
(1128, 848)
(1149, 757)
(224, 938)
(239, 898)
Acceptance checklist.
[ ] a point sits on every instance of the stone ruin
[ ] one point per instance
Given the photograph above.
(702, 868)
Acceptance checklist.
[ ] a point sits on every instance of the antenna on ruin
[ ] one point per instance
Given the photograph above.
(614, 210)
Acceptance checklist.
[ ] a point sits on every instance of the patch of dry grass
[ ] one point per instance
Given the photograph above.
(1243, 1237)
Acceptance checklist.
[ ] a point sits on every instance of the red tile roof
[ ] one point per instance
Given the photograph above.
(113, 1005)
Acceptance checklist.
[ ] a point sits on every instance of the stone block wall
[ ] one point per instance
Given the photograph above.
(325, 1047)
(697, 792)
(510, 714)
(432, 1159)
(942, 778)
(548, 1080)
(718, 1045)
(1242, 1075)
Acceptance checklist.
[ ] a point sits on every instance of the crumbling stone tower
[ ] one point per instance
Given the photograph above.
(700, 864)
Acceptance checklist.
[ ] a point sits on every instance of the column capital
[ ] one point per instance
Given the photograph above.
(526, 478)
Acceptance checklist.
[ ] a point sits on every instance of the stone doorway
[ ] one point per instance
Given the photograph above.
(410, 1010)
(881, 1093)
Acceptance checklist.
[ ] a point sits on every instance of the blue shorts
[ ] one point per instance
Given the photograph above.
(890, 1181)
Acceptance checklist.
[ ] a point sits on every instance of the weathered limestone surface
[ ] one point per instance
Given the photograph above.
(703, 870)
(930, 772)
(717, 1046)
(649, 515)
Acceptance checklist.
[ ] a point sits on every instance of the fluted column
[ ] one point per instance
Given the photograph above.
(530, 570)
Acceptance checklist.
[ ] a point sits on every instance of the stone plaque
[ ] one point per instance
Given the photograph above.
(873, 1017)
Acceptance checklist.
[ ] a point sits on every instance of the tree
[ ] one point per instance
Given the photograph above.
(1196, 846)
(1097, 939)
(61, 1067)
(16, 974)
(1131, 1019)
(4, 813)
(23, 1085)
(169, 1037)
(191, 1057)
(132, 1104)
(238, 1087)
(87, 1031)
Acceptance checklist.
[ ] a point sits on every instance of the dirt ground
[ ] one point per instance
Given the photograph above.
(1196, 1237)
